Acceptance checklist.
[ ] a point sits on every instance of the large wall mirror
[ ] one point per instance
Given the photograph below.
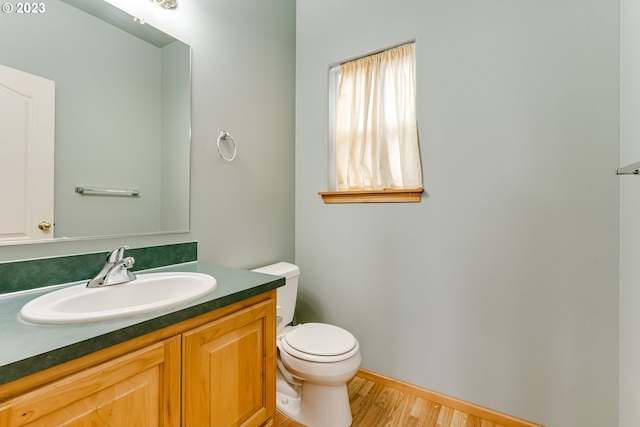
(122, 117)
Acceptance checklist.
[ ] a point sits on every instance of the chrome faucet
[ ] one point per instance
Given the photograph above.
(115, 270)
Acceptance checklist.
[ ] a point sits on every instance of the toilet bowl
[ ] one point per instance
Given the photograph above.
(315, 361)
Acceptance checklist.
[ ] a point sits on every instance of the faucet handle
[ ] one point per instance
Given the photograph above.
(117, 254)
(128, 262)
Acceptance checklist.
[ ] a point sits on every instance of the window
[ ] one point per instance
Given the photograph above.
(373, 128)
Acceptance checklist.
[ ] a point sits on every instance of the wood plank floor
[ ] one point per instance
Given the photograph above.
(378, 405)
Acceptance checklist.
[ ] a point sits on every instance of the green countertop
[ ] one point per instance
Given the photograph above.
(26, 349)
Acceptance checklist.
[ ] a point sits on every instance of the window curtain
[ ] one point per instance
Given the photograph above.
(376, 127)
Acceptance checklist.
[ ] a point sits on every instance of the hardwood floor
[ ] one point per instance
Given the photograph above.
(375, 404)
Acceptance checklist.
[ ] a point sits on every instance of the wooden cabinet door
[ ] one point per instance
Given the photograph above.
(229, 369)
(135, 390)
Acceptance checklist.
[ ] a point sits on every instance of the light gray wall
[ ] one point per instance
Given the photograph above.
(244, 74)
(629, 207)
(501, 286)
(242, 214)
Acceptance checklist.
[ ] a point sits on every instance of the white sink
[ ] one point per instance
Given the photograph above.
(149, 292)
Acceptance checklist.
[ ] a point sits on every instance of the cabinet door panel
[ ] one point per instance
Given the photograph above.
(137, 389)
(229, 369)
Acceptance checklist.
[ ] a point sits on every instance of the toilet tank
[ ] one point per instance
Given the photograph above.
(287, 294)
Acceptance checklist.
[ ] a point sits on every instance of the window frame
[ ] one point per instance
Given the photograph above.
(333, 195)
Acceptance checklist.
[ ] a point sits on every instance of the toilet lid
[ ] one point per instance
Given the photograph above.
(320, 339)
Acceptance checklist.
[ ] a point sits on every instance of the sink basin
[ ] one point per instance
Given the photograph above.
(149, 292)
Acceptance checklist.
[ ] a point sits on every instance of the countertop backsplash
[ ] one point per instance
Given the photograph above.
(36, 273)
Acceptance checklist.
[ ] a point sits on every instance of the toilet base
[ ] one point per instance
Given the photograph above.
(322, 406)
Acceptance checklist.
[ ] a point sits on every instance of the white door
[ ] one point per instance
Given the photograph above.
(27, 116)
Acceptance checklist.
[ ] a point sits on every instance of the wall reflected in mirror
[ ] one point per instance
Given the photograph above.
(122, 115)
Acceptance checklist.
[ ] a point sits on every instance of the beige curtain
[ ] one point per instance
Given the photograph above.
(376, 127)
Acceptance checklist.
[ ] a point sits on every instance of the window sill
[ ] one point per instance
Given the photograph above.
(411, 195)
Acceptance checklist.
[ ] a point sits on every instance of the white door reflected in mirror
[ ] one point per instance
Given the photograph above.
(27, 108)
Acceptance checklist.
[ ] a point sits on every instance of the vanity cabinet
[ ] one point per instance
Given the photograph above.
(217, 369)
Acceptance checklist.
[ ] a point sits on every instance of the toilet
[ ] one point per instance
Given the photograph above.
(315, 361)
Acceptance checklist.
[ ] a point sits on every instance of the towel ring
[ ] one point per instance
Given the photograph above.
(223, 134)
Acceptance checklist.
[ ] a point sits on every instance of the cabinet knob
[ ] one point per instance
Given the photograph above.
(44, 225)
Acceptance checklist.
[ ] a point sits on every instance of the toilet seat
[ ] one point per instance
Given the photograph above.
(319, 342)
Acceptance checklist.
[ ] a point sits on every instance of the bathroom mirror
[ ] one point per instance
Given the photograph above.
(122, 115)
